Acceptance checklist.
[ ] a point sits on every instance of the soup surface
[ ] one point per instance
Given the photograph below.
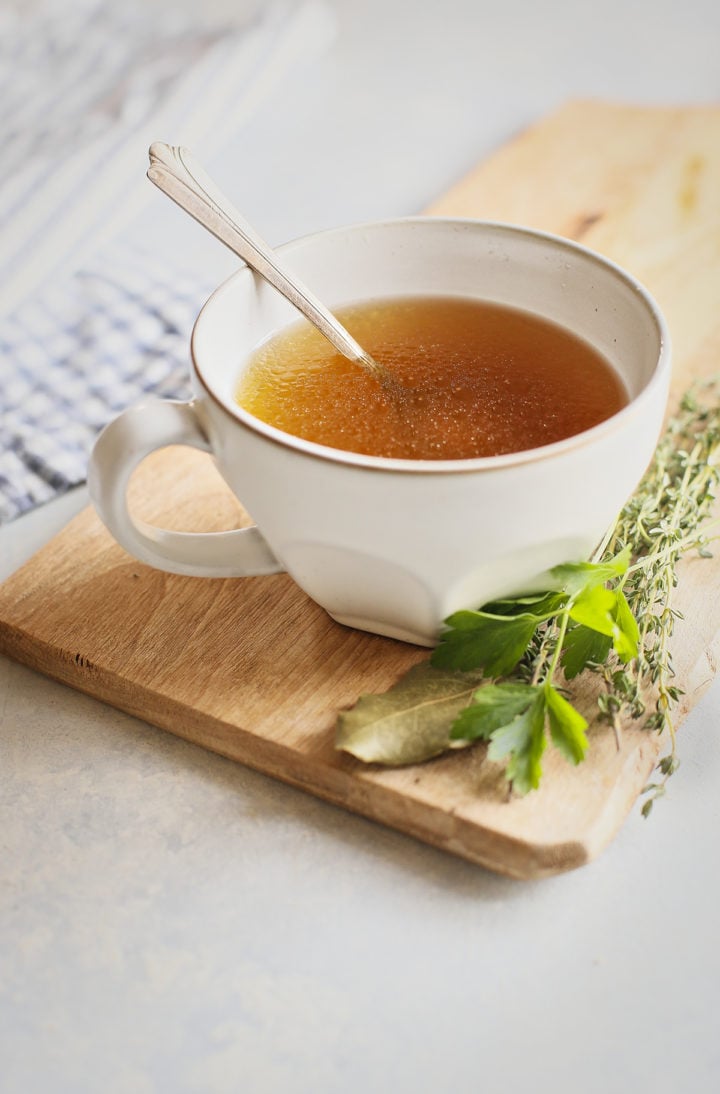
(475, 379)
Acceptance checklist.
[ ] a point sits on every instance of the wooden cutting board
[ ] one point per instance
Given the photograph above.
(254, 670)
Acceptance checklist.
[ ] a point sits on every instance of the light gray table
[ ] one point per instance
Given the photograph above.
(171, 922)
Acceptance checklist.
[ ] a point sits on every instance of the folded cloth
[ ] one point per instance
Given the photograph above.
(89, 325)
(78, 354)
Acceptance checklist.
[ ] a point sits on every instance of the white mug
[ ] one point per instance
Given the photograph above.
(387, 545)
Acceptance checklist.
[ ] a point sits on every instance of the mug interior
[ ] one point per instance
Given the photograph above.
(539, 273)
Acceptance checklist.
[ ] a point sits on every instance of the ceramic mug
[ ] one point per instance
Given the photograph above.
(388, 545)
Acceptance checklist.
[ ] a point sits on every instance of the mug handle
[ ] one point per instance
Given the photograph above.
(122, 445)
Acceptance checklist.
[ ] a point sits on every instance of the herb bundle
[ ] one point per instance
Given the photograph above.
(499, 673)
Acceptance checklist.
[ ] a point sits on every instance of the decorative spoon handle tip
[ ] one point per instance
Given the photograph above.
(174, 171)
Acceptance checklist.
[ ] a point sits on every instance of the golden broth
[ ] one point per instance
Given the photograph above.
(477, 379)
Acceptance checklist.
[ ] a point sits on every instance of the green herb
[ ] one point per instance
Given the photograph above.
(586, 621)
(449, 702)
(665, 519)
(409, 723)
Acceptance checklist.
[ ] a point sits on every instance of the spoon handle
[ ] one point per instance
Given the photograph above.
(174, 171)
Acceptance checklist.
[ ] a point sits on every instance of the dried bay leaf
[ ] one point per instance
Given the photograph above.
(411, 722)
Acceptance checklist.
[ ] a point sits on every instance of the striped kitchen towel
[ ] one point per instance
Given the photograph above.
(89, 322)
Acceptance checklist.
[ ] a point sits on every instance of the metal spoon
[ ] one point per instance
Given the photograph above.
(174, 171)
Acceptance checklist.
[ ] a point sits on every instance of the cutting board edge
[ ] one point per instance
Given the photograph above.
(349, 786)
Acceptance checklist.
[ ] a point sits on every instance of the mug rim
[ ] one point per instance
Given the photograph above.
(474, 463)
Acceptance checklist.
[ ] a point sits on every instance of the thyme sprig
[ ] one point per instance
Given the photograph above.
(666, 518)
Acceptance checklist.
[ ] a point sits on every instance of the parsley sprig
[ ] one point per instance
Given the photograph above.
(580, 619)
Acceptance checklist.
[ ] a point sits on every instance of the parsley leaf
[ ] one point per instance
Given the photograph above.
(541, 605)
(607, 611)
(480, 640)
(493, 706)
(626, 637)
(523, 741)
(583, 646)
(567, 726)
(574, 577)
(595, 608)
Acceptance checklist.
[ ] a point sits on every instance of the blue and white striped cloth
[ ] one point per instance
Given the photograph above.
(89, 325)
(74, 356)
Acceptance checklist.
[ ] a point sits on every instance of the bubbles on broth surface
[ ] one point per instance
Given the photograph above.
(476, 379)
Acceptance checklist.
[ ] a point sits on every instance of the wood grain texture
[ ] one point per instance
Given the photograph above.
(254, 670)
